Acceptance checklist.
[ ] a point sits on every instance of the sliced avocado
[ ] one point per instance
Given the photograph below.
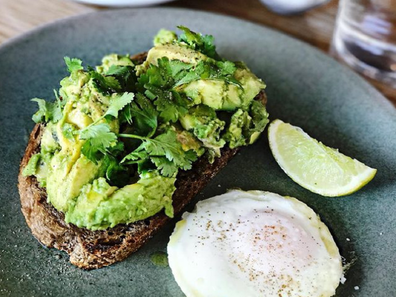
(175, 52)
(83, 208)
(232, 99)
(100, 206)
(208, 92)
(221, 95)
(251, 85)
(78, 118)
(43, 168)
(66, 178)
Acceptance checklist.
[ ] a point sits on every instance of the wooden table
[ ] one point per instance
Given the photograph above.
(314, 27)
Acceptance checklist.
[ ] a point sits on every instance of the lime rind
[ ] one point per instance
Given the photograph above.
(314, 166)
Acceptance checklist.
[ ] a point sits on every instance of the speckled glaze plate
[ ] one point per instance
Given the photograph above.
(305, 87)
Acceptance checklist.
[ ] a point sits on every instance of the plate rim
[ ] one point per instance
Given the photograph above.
(55, 24)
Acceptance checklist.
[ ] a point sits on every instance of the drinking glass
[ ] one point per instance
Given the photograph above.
(365, 38)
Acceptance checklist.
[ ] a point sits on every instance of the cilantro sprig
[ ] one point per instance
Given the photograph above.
(117, 103)
(48, 111)
(165, 151)
(99, 137)
(142, 115)
(73, 64)
(107, 85)
(125, 75)
(197, 41)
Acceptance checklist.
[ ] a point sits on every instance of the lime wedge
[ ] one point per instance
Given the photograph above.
(314, 166)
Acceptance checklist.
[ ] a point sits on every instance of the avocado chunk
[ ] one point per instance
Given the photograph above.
(175, 52)
(48, 142)
(189, 142)
(251, 85)
(66, 178)
(31, 167)
(208, 92)
(164, 37)
(221, 95)
(100, 206)
(246, 126)
(202, 121)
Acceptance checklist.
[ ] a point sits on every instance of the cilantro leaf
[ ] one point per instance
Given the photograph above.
(57, 108)
(117, 103)
(43, 114)
(192, 75)
(144, 115)
(105, 84)
(167, 145)
(118, 70)
(197, 41)
(164, 151)
(73, 64)
(135, 156)
(48, 111)
(125, 75)
(208, 47)
(165, 75)
(139, 157)
(98, 139)
(116, 149)
(204, 70)
(169, 103)
(226, 67)
(166, 167)
(178, 68)
(125, 115)
(91, 152)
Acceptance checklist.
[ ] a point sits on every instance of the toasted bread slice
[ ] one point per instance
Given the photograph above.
(95, 249)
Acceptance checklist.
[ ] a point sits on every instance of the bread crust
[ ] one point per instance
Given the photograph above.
(95, 249)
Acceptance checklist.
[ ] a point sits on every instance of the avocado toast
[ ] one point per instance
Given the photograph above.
(128, 145)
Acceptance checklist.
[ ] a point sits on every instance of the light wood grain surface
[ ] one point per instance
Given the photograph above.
(314, 27)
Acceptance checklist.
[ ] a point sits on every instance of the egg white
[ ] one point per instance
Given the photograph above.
(254, 244)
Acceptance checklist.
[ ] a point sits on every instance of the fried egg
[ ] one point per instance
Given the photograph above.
(254, 244)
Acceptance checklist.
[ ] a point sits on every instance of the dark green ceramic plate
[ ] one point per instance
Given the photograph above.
(305, 87)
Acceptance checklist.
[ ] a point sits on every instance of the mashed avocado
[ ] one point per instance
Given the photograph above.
(117, 135)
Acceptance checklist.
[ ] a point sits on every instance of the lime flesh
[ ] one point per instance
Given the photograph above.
(314, 166)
